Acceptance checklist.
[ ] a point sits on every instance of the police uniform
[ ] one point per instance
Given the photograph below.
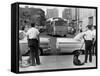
(33, 43)
(88, 36)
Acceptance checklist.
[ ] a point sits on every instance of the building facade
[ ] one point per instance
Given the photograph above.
(52, 13)
(87, 17)
(67, 14)
(83, 17)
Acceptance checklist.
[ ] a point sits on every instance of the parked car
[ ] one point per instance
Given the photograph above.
(56, 45)
(68, 45)
(42, 49)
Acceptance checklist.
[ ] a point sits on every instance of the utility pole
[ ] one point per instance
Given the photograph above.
(77, 19)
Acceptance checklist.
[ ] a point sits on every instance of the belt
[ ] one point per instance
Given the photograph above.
(88, 40)
(33, 39)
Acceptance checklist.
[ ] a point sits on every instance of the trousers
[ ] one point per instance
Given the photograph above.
(94, 48)
(88, 48)
(34, 54)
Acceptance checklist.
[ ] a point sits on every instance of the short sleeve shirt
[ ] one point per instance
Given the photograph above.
(32, 33)
(88, 35)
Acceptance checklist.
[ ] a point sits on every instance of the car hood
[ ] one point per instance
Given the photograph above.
(68, 40)
(77, 39)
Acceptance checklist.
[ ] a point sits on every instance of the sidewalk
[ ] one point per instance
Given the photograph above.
(57, 62)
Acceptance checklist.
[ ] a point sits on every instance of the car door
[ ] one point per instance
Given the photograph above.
(68, 44)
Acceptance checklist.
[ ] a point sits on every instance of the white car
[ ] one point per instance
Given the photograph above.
(60, 45)
(69, 44)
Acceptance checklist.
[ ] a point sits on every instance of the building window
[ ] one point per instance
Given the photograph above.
(90, 20)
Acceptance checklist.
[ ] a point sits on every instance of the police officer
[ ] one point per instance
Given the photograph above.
(33, 42)
(88, 36)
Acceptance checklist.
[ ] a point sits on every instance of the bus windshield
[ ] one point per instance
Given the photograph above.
(60, 23)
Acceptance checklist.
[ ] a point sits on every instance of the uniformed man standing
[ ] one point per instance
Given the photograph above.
(33, 42)
(88, 36)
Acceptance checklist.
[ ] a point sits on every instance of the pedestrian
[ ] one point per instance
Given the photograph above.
(88, 35)
(33, 43)
(21, 36)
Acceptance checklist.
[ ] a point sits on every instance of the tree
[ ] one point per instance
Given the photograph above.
(31, 15)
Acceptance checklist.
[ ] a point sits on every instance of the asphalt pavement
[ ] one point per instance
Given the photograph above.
(57, 62)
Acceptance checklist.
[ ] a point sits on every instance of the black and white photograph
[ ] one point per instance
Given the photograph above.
(56, 37)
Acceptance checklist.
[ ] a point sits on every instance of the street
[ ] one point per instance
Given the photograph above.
(57, 62)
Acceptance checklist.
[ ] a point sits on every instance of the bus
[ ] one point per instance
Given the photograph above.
(57, 27)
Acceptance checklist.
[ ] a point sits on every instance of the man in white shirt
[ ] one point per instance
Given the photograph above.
(88, 37)
(33, 43)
